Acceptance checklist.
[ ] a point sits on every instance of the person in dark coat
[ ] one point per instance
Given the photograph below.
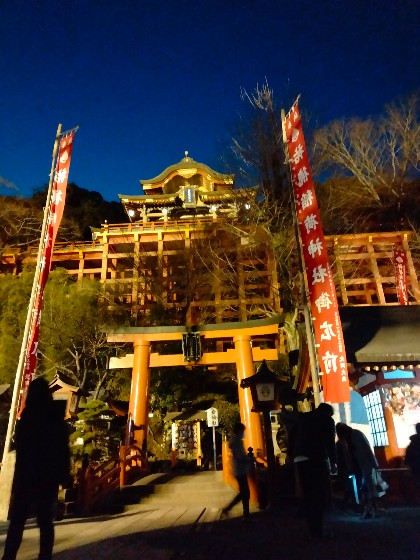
(42, 464)
(365, 467)
(315, 459)
(348, 474)
(412, 455)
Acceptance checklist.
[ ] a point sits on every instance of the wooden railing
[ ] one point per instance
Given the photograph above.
(158, 225)
(94, 483)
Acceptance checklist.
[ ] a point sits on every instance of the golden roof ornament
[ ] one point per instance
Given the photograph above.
(186, 158)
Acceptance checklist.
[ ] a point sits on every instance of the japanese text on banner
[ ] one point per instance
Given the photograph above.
(322, 295)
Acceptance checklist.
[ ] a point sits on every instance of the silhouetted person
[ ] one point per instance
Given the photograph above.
(349, 475)
(412, 455)
(365, 466)
(241, 467)
(315, 458)
(42, 464)
(286, 434)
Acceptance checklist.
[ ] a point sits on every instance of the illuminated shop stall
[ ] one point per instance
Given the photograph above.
(383, 344)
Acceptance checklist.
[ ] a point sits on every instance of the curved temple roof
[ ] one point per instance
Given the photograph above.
(186, 189)
(186, 163)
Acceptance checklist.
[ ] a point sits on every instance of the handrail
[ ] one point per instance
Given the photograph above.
(158, 225)
(94, 483)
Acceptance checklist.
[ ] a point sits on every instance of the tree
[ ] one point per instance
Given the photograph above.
(21, 218)
(15, 292)
(73, 331)
(377, 161)
(257, 145)
(196, 279)
(84, 209)
(20, 222)
(94, 433)
(74, 323)
(180, 389)
(229, 414)
(259, 157)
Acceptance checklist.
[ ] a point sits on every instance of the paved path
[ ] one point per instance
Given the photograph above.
(183, 522)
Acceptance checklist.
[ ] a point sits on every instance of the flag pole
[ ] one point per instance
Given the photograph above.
(306, 312)
(7, 467)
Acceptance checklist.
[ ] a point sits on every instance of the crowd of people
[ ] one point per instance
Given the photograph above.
(316, 447)
(320, 448)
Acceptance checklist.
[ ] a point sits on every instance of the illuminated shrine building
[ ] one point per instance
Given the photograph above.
(181, 250)
(186, 191)
(185, 250)
(187, 256)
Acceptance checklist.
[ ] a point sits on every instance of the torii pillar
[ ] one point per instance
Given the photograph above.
(244, 354)
(251, 420)
(138, 408)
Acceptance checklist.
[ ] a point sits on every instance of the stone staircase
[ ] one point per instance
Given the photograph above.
(204, 489)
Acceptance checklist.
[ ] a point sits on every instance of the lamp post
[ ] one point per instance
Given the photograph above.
(264, 387)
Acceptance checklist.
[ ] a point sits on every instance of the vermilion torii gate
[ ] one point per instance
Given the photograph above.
(246, 339)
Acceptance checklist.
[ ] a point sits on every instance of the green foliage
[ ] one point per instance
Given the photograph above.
(73, 330)
(228, 414)
(94, 427)
(15, 293)
(119, 384)
(74, 324)
(179, 388)
(170, 389)
(159, 437)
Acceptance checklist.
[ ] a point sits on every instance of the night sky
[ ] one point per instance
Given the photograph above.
(147, 80)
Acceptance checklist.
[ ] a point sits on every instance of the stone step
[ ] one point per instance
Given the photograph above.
(206, 489)
(190, 498)
(186, 502)
(171, 488)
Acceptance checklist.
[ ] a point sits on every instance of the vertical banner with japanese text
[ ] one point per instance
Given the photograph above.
(322, 297)
(400, 271)
(55, 213)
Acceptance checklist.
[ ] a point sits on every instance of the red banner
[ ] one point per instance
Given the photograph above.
(55, 213)
(400, 270)
(320, 283)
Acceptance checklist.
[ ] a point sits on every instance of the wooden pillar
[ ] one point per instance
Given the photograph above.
(251, 420)
(136, 268)
(139, 396)
(105, 250)
(411, 270)
(376, 273)
(81, 265)
(340, 272)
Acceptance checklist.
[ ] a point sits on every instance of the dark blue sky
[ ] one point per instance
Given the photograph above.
(146, 80)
